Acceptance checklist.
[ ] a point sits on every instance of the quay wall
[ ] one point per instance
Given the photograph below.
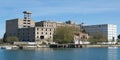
(110, 45)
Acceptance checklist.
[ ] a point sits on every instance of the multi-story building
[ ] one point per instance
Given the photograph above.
(28, 30)
(19, 27)
(109, 30)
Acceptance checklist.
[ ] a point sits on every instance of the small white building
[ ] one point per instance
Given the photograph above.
(81, 38)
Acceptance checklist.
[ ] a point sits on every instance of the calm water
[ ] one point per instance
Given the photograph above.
(62, 54)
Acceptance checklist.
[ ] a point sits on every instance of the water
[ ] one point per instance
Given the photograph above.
(62, 54)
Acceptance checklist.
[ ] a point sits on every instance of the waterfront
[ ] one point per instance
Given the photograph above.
(62, 54)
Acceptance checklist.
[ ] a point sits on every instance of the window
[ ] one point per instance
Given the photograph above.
(46, 29)
(24, 23)
(37, 36)
(28, 23)
(28, 20)
(42, 29)
(24, 20)
(41, 37)
(37, 32)
(50, 29)
(50, 33)
(46, 33)
(24, 26)
(41, 32)
(28, 26)
(37, 28)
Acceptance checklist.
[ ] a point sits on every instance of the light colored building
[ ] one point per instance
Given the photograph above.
(81, 38)
(108, 30)
(49, 24)
(44, 34)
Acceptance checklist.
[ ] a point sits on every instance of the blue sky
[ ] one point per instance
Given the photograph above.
(87, 11)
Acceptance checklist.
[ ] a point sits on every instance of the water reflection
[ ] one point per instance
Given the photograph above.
(112, 53)
(62, 54)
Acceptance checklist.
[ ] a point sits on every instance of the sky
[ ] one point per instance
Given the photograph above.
(90, 12)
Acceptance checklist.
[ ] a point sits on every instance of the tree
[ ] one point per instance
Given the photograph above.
(119, 36)
(1, 41)
(98, 37)
(4, 38)
(12, 39)
(64, 34)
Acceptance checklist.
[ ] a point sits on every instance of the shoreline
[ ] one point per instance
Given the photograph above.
(47, 46)
(97, 45)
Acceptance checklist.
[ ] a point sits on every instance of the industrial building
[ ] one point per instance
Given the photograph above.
(30, 31)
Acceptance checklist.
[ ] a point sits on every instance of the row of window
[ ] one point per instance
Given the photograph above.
(42, 37)
(27, 20)
(45, 29)
(26, 23)
(26, 26)
(45, 33)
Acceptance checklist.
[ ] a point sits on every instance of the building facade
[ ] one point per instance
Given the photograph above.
(81, 38)
(28, 30)
(109, 30)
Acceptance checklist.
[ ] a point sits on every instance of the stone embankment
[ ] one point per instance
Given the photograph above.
(110, 45)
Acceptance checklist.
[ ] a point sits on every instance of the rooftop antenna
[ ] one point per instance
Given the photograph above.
(27, 14)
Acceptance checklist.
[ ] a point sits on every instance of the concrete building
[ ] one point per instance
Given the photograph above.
(49, 24)
(28, 30)
(44, 34)
(108, 30)
(19, 27)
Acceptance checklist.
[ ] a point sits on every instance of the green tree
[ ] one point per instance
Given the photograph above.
(1, 41)
(119, 36)
(64, 34)
(12, 39)
(4, 38)
(98, 37)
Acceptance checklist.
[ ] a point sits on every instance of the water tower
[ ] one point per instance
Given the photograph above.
(27, 14)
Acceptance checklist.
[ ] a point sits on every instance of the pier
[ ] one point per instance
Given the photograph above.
(65, 46)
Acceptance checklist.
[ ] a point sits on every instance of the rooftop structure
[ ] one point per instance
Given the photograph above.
(27, 14)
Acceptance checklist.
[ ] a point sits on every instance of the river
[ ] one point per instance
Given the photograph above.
(62, 54)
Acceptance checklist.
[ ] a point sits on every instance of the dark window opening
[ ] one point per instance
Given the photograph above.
(41, 32)
(37, 28)
(50, 29)
(37, 32)
(41, 37)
